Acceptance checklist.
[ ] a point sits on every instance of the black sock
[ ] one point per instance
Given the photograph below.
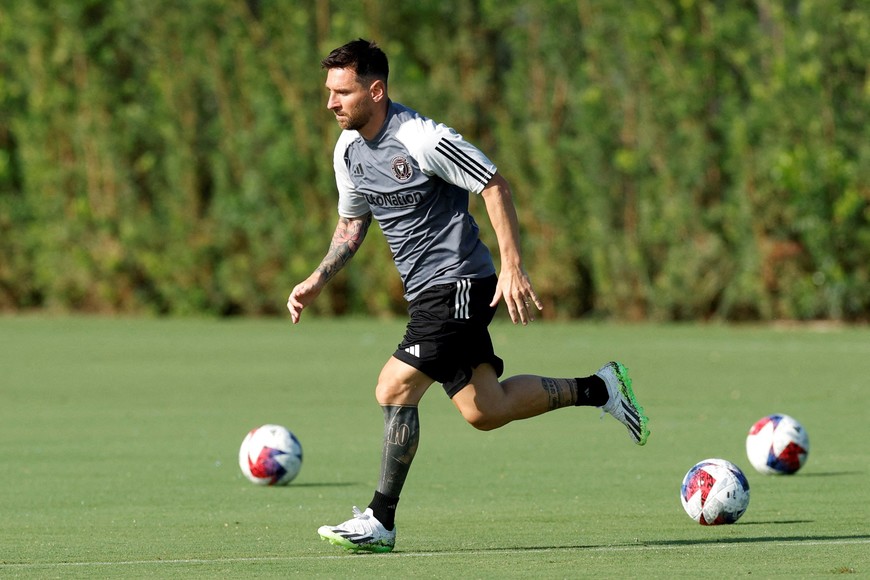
(591, 392)
(384, 508)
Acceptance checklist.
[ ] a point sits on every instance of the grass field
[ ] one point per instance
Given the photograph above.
(119, 442)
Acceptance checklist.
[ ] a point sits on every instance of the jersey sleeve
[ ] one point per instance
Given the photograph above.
(351, 204)
(441, 151)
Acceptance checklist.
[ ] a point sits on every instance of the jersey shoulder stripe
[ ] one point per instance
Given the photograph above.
(468, 164)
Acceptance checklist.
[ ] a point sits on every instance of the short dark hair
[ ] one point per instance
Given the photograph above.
(362, 56)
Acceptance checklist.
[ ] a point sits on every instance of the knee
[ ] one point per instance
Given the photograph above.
(400, 384)
(393, 391)
(387, 392)
(481, 420)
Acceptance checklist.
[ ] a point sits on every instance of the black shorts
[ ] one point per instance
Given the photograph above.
(447, 335)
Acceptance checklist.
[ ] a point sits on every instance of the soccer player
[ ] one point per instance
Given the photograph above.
(414, 177)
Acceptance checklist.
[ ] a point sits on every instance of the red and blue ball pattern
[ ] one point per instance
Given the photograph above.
(715, 492)
(777, 444)
(270, 455)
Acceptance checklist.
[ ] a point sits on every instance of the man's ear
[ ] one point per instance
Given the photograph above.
(378, 91)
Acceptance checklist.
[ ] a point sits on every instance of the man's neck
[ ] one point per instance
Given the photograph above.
(375, 124)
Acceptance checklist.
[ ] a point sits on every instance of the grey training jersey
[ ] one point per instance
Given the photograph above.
(414, 177)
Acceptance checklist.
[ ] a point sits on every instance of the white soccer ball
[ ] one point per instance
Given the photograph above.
(270, 455)
(777, 444)
(715, 492)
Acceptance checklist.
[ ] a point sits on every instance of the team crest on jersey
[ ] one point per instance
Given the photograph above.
(401, 168)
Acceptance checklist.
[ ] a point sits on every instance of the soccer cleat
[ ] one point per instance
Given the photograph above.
(621, 403)
(363, 532)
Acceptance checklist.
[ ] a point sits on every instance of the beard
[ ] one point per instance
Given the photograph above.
(348, 123)
(355, 119)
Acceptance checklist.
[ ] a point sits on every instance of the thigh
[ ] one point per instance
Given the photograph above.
(481, 396)
(401, 384)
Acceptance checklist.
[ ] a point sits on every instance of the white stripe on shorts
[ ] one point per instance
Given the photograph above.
(463, 290)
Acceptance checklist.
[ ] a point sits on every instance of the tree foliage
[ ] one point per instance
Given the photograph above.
(671, 160)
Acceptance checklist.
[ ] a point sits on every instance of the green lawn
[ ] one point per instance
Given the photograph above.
(119, 442)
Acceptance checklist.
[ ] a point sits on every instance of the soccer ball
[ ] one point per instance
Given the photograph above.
(270, 455)
(715, 492)
(777, 444)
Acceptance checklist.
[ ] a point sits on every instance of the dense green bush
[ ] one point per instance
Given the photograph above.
(671, 160)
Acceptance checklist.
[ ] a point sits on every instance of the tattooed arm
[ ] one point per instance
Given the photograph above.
(349, 234)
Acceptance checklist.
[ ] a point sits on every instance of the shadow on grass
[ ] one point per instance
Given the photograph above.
(827, 473)
(324, 484)
(776, 522)
(857, 538)
(760, 539)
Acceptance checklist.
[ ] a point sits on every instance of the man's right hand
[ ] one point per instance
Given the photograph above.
(302, 295)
